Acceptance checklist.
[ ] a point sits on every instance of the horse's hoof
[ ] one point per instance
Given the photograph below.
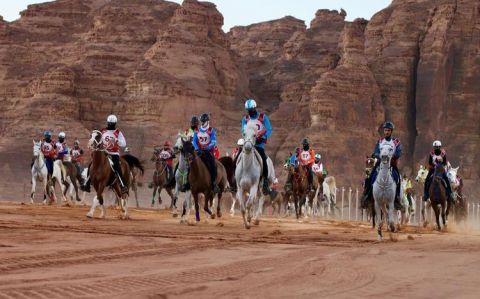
(219, 214)
(90, 215)
(212, 216)
(174, 215)
(256, 222)
(379, 238)
(247, 226)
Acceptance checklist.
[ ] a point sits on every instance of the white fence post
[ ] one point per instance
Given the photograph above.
(343, 197)
(349, 201)
(356, 206)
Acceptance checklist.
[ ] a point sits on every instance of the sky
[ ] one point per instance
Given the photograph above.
(246, 12)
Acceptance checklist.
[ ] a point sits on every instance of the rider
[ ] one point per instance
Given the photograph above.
(168, 155)
(204, 141)
(408, 188)
(437, 155)
(236, 152)
(307, 159)
(388, 128)
(193, 127)
(264, 131)
(61, 146)
(48, 150)
(317, 166)
(113, 140)
(77, 153)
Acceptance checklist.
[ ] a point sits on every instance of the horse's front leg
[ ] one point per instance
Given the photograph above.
(424, 208)
(219, 208)
(154, 192)
(444, 215)
(242, 199)
(391, 216)
(197, 207)
(378, 219)
(34, 185)
(234, 200)
(93, 207)
(250, 201)
(261, 200)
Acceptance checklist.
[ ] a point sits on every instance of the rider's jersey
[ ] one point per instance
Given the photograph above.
(112, 140)
(317, 167)
(433, 159)
(62, 149)
(205, 139)
(48, 149)
(264, 127)
(307, 158)
(397, 147)
(167, 155)
(76, 154)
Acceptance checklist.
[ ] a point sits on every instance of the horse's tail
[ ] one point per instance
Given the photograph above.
(134, 162)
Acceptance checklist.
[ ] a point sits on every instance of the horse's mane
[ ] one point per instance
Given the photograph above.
(250, 130)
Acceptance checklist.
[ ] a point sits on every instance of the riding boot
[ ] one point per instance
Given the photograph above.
(86, 186)
(365, 197)
(265, 189)
(397, 203)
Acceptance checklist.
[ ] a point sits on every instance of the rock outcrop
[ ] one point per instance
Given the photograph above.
(65, 65)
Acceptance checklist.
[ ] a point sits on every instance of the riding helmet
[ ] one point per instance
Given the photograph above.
(194, 120)
(204, 117)
(112, 119)
(305, 141)
(167, 143)
(47, 134)
(437, 143)
(61, 135)
(250, 104)
(388, 125)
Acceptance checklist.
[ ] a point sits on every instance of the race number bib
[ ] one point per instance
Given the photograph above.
(316, 168)
(203, 138)
(109, 140)
(75, 153)
(47, 147)
(305, 156)
(164, 155)
(258, 124)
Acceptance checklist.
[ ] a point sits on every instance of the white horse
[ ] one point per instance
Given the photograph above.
(247, 174)
(453, 178)
(384, 190)
(181, 178)
(421, 178)
(39, 171)
(409, 209)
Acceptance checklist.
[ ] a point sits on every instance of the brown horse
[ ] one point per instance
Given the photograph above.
(438, 196)
(65, 174)
(200, 180)
(102, 175)
(160, 180)
(299, 186)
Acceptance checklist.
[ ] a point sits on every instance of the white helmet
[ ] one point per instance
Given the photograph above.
(437, 143)
(318, 157)
(61, 135)
(240, 142)
(112, 119)
(250, 104)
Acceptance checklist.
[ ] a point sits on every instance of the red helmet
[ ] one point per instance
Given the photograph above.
(167, 143)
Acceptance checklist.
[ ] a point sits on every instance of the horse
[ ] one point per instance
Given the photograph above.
(160, 179)
(65, 174)
(248, 175)
(460, 207)
(299, 179)
(200, 180)
(134, 183)
(384, 191)
(39, 171)
(438, 196)
(408, 205)
(181, 179)
(102, 175)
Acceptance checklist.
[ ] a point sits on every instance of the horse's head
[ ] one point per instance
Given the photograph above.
(181, 139)
(422, 174)
(293, 164)
(37, 148)
(369, 164)
(95, 142)
(439, 169)
(386, 153)
(250, 138)
(452, 174)
(187, 149)
(156, 151)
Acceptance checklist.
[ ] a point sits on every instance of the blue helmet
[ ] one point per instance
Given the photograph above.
(47, 134)
(250, 104)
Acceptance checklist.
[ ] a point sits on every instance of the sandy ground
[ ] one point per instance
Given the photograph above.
(56, 252)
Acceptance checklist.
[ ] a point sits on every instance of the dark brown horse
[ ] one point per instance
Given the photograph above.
(438, 196)
(160, 179)
(200, 180)
(102, 175)
(299, 186)
(369, 165)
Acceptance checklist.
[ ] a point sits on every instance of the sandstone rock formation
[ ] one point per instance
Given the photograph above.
(65, 65)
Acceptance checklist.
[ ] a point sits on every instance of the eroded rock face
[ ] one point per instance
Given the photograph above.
(66, 65)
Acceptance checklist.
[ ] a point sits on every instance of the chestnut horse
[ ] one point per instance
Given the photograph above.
(102, 175)
(160, 179)
(299, 184)
(200, 180)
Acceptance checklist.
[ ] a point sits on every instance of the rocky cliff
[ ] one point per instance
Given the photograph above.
(65, 65)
